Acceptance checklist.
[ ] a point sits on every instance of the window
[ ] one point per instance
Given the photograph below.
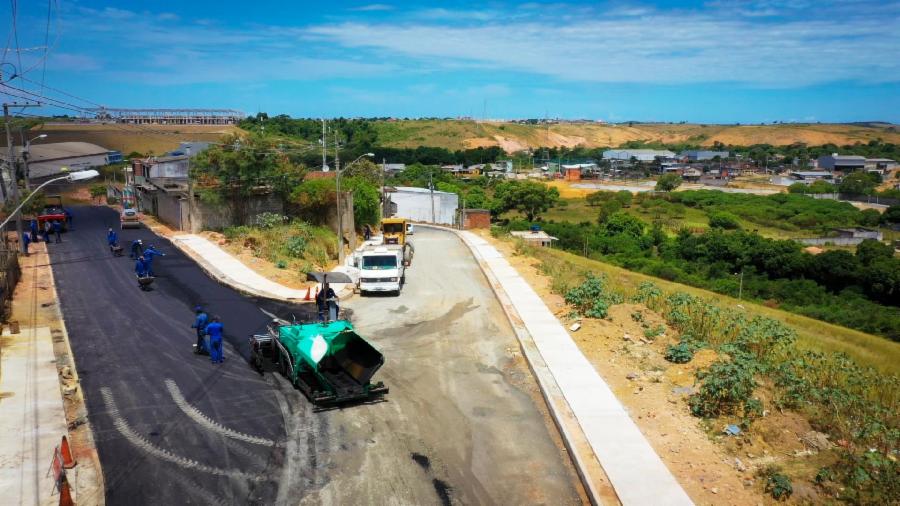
(380, 262)
(393, 228)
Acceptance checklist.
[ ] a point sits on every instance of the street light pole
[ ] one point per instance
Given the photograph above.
(26, 153)
(75, 176)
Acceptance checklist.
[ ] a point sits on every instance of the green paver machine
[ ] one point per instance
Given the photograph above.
(328, 361)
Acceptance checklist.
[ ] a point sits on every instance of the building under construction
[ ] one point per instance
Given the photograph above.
(170, 116)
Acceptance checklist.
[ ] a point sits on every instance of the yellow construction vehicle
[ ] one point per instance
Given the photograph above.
(394, 230)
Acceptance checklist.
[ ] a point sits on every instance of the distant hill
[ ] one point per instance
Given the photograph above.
(512, 137)
(459, 134)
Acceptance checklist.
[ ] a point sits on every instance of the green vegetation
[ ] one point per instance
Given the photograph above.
(858, 291)
(530, 198)
(845, 398)
(668, 182)
(98, 191)
(288, 244)
(592, 297)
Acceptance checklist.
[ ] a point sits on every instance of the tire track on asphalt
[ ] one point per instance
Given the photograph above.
(137, 440)
(201, 418)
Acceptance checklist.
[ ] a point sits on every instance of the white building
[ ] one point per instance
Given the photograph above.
(48, 159)
(641, 155)
(416, 204)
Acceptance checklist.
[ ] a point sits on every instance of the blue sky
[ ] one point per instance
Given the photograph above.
(718, 61)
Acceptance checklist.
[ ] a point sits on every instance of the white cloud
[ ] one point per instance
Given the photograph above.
(652, 48)
(373, 8)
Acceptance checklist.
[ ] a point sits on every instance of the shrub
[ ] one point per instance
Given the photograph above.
(680, 353)
(779, 486)
(721, 219)
(296, 246)
(591, 298)
(269, 220)
(281, 264)
(726, 387)
(651, 333)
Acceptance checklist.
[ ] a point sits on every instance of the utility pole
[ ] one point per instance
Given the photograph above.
(340, 216)
(383, 169)
(324, 148)
(12, 170)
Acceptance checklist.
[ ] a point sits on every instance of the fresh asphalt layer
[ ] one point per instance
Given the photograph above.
(461, 424)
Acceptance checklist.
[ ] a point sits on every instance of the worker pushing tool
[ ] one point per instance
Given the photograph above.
(149, 253)
(200, 322)
(137, 247)
(145, 279)
(214, 331)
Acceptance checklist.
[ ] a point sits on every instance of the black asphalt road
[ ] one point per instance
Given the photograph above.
(127, 343)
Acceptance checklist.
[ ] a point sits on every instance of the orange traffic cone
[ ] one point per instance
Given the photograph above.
(307, 297)
(66, 452)
(65, 495)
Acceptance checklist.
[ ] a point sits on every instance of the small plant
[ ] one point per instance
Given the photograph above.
(281, 264)
(726, 386)
(637, 316)
(269, 220)
(653, 332)
(591, 298)
(680, 353)
(779, 486)
(648, 294)
(296, 245)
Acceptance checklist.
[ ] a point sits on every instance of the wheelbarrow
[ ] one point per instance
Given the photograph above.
(116, 250)
(145, 282)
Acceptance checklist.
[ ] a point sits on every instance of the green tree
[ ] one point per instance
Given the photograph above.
(608, 208)
(668, 182)
(365, 169)
(799, 188)
(624, 197)
(869, 218)
(98, 191)
(622, 223)
(891, 214)
(821, 186)
(527, 197)
(366, 200)
(858, 183)
(871, 250)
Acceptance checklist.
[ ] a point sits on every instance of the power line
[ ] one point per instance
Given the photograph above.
(26, 97)
(15, 14)
(57, 102)
(60, 91)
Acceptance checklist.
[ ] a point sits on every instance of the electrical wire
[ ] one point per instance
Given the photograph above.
(15, 14)
(60, 103)
(61, 92)
(26, 97)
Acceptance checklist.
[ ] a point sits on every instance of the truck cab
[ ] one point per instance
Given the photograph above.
(394, 230)
(381, 269)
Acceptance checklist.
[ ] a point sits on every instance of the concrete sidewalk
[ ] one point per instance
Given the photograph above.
(229, 270)
(32, 419)
(635, 471)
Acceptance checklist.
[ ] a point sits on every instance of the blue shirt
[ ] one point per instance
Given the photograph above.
(214, 330)
(150, 253)
(112, 237)
(200, 321)
(140, 268)
(56, 226)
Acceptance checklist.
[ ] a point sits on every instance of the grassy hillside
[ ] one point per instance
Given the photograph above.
(453, 134)
(156, 139)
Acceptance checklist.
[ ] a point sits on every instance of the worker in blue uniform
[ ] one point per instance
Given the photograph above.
(149, 253)
(26, 240)
(200, 322)
(34, 230)
(137, 247)
(57, 228)
(214, 331)
(112, 238)
(68, 214)
(140, 268)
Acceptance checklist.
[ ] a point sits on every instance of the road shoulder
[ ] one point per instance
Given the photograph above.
(44, 394)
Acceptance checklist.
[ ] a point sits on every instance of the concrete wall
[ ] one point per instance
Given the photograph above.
(416, 206)
(836, 241)
(210, 217)
(169, 209)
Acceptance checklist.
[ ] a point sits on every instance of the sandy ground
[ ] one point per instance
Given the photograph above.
(287, 277)
(712, 470)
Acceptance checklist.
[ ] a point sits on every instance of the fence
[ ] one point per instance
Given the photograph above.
(10, 272)
(868, 199)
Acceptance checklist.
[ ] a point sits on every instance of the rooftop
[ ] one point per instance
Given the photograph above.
(58, 150)
(413, 189)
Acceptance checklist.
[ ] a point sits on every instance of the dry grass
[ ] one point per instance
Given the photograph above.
(457, 134)
(866, 349)
(155, 139)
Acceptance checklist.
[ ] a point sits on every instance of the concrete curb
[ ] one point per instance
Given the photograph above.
(586, 463)
(94, 472)
(222, 278)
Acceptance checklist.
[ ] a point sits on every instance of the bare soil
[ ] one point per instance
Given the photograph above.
(714, 468)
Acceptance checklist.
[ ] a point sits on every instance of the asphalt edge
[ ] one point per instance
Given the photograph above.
(570, 429)
(81, 495)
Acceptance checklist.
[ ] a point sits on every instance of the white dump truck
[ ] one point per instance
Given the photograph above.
(381, 268)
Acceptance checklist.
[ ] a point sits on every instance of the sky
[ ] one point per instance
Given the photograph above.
(717, 61)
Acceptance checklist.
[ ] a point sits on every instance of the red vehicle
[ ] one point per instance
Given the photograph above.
(53, 211)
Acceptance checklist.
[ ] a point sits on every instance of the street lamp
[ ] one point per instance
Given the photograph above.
(72, 177)
(25, 154)
(339, 213)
